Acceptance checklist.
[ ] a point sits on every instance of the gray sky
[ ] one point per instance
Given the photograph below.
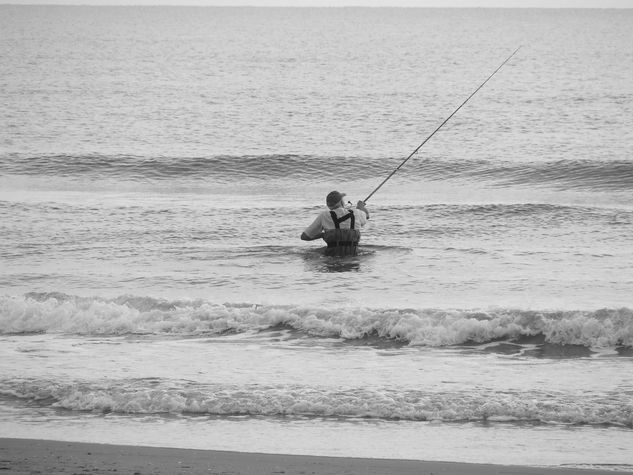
(371, 3)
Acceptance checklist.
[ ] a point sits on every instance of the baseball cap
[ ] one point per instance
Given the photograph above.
(334, 197)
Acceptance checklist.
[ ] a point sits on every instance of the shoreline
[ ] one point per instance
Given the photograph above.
(18, 456)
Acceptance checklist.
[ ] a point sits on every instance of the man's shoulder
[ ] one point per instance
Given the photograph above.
(359, 212)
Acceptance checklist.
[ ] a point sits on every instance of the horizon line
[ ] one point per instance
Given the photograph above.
(126, 4)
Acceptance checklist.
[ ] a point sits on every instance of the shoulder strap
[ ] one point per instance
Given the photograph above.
(335, 219)
(338, 221)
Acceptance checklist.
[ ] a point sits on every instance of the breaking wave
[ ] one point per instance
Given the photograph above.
(60, 313)
(153, 396)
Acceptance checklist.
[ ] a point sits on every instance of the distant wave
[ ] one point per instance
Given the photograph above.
(153, 396)
(131, 167)
(565, 174)
(60, 313)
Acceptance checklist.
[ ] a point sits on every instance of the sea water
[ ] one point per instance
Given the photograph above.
(158, 164)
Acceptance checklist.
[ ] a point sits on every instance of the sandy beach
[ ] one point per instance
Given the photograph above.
(22, 456)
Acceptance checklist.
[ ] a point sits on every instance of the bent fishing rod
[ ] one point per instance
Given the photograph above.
(440, 126)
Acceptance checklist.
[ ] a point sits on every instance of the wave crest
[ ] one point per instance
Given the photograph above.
(613, 175)
(60, 313)
(145, 396)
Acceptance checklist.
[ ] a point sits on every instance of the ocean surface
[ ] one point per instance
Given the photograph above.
(158, 165)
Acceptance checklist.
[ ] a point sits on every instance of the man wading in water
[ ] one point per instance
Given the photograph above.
(338, 226)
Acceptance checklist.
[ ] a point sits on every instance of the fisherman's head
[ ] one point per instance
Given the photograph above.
(334, 200)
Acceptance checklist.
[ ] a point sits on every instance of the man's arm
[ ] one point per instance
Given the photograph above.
(314, 231)
(361, 206)
(305, 237)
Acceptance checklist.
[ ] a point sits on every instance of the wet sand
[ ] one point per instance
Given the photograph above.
(26, 456)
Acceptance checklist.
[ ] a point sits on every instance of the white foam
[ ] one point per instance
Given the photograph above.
(429, 327)
(148, 397)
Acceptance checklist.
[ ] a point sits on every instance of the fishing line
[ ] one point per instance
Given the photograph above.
(440, 126)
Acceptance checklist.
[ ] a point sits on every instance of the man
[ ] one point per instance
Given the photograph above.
(338, 226)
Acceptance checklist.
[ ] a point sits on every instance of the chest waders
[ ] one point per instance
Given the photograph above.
(342, 242)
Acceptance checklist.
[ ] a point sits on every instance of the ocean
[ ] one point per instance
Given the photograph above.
(158, 165)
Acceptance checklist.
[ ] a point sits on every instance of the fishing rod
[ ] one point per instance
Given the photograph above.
(440, 126)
